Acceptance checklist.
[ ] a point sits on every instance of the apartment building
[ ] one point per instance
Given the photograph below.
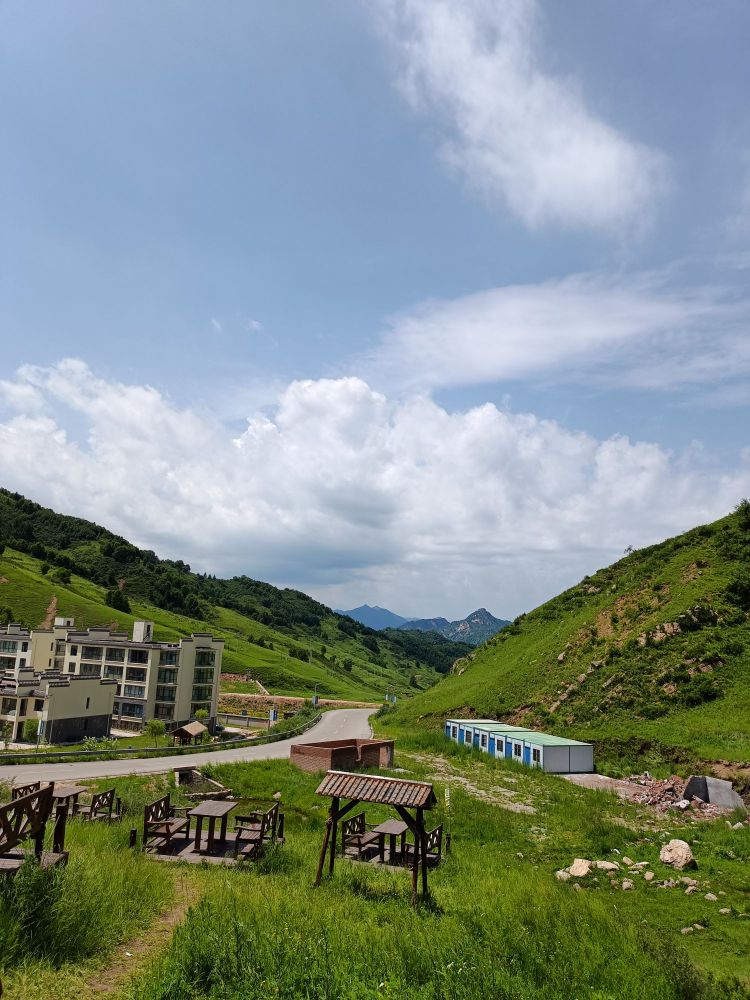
(155, 680)
(64, 708)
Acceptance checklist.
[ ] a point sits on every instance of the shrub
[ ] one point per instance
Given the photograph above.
(116, 599)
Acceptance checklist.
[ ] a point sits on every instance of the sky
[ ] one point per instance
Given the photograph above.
(432, 304)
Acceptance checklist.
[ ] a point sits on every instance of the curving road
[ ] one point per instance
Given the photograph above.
(339, 724)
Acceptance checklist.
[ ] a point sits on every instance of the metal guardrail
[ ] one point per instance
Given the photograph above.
(60, 756)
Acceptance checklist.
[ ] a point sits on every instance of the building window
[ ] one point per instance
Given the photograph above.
(8, 706)
(90, 670)
(7, 646)
(115, 655)
(7, 662)
(200, 705)
(24, 647)
(165, 693)
(138, 656)
(205, 658)
(115, 672)
(132, 711)
(483, 741)
(454, 732)
(91, 653)
(135, 674)
(202, 693)
(85, 725)
(39, 704)
(168, 657)
(166, 676)
(517, 749)
(74, 650)
(536, 755)
(88, 703)
(163, 712)
(134, 691)
(71, 668)
(203, 677)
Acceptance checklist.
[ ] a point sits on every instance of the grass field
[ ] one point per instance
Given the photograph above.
(338, 664)
(499, 924)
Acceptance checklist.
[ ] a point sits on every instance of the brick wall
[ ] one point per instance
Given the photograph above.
(342, 755)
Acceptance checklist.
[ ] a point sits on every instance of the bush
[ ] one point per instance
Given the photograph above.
(30, 730)
(116, 599)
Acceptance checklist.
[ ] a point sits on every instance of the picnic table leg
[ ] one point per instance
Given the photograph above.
(58, 835)
(223, 833)
(211, 833)
(198, 832)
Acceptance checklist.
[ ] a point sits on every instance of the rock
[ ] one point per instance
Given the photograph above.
(627, 883)
(648, 876)
(627, 861)
(710, 897)
(607, 866)
(640, 864)
(562, 875)
(699, 927)
(577, 887)
(682, 804)
(686, 930)
(561, 658)
(690, 890)
(725, 910)
(580, 868)
(688, 881)
(677, 854)
(277, 795)
(738, 826)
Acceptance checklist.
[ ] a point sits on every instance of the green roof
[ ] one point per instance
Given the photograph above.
(529, 735)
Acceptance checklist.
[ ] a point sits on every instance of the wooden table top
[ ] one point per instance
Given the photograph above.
(393, 827)
(213, 807)
(67, 791)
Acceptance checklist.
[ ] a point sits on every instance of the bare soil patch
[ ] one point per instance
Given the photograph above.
(51, 612)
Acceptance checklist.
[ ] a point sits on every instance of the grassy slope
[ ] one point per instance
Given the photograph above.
(500, 924)
(29, 593)
(685, 697)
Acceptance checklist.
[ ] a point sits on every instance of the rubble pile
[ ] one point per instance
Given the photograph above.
(671, 793)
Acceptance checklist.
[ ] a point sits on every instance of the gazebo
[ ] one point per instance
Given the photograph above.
(399, 793)
(190, 732)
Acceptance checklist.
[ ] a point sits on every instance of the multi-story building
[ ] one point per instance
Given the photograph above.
(64, 708)
(170, 681)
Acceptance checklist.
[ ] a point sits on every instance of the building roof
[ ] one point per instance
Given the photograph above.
(378, 788)
(522, 732)
(190, 729)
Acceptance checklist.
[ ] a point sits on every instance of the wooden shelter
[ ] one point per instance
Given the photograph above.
(191, 732)
(408, 798)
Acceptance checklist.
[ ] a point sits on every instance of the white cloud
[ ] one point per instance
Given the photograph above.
(633, 329)
(352, 496)
(254, 326)
(519, 134)
(216, 325)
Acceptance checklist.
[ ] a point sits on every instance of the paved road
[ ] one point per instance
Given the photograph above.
(344, 723)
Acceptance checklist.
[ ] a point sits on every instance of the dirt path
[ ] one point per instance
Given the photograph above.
(496, 795)
(129, 958)
(51, 612)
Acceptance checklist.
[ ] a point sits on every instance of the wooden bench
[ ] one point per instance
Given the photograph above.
(18, 791)
(434, 846)
(255, 830)
(103, 806)
(161, 822)
(25, 819)
(354, 833)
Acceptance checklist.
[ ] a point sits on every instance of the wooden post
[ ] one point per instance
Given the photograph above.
(58, 835)
(417, 852)
(133, 838)
(334, 834)
(423, 846)
(326, 838)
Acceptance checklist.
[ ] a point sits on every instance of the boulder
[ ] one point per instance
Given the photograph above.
(607, 866)
(562, 875)
(627, 883)
(725, 910)
(581, 867)
(648, 876)
(711, 897)
(627, 861)
(677, 854)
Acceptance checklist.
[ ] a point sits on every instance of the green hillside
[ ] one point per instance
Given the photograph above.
(287, 641)
(649, 658)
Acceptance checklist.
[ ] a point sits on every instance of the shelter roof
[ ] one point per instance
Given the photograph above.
(190, 729)
(378, 788)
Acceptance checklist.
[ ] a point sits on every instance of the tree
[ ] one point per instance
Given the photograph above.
(116, 599)
(743, 509)
(6, 732)
(30, 730)
(155, 728)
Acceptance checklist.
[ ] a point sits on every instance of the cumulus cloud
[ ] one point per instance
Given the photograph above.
(635, 329)
(351, 495)
(518, 133)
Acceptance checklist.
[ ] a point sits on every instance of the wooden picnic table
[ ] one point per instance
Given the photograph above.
(68, 795)
(211, 810)
(391, 828)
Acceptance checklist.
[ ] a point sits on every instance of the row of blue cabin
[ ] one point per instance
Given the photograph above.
(499, 739)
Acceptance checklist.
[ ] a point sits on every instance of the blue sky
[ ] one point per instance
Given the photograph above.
(430, 304)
